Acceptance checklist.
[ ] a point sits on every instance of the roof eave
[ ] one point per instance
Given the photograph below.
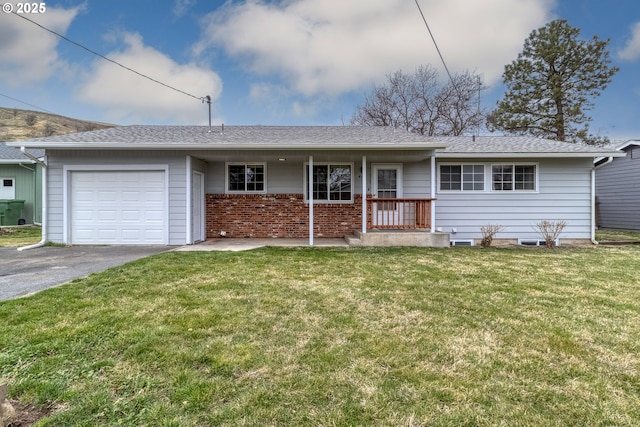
(226, 146)
(477, 155)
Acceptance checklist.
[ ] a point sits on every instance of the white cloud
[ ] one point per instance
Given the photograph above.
(130, 98)
(631, 51)
(332, 47)
(181, 7)
(28, 52)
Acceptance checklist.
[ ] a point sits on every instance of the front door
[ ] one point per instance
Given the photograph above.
(387, 184)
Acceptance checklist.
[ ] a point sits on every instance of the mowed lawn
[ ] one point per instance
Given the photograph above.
(336, 337)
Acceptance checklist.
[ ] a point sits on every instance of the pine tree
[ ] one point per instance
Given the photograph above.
(552, 83)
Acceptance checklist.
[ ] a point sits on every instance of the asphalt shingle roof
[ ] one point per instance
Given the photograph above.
(12, 153)
(265, 137)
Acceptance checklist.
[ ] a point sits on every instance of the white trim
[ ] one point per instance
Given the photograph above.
(399, 181)
(12, 186)
(189, 203)
(203, 222)
(66, 198)
(536, 183)
(363, 174)
(462, 190)
(310, 199)
(433, 191)
(310, 189)
(245, 164)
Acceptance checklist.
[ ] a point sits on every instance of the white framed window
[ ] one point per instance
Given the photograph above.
(514, 177)
(7, 188)
(332, 182)
(462, 177)
(246, 178)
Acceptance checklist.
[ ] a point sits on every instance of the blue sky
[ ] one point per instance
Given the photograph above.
(288, 62)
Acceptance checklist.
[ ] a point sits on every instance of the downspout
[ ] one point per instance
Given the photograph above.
(593, 199)
(44, 201)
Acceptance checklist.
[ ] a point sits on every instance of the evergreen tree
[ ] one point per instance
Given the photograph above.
(552, 83)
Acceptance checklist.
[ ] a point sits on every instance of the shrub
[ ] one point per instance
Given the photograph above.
(550, 231)
(488, 233)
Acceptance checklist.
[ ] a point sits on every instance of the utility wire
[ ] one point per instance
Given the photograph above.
(200, 98)
(436, 45)
(26, 103)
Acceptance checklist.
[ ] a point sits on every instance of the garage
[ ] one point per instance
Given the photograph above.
(117, 207)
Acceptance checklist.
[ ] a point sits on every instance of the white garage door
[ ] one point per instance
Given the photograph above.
(110, 207)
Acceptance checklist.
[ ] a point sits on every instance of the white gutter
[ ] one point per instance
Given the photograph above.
(44, 201)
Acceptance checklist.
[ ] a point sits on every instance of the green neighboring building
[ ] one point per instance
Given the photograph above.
(21, 179)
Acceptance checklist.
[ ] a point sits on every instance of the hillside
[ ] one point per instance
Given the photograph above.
(18, 125)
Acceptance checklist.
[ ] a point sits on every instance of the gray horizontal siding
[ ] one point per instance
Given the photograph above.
(176, 161)
(618, 192)
(564, 193)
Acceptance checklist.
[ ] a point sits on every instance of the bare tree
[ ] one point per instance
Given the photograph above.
(30, 119)
(420, 103)
(48, 129)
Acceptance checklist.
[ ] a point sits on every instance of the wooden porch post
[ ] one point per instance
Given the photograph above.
(310, 179)
(364, 194)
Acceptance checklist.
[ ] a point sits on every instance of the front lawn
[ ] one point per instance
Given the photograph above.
(324, 337)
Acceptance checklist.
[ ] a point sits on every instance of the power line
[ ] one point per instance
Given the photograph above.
(26, 103)
(436, 45)
(200, 98)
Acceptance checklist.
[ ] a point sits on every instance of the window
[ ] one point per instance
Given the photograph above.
(462, 177)
(513, 177)
(246, 178)
(331, 182)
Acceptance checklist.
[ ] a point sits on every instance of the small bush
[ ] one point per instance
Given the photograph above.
(550, 231)
(30, 119)
(489, 231)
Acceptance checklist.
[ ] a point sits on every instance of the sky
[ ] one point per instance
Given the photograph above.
(286, 62)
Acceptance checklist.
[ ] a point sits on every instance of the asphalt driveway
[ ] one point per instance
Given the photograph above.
(27, 272)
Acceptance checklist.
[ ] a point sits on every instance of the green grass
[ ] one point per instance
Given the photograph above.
(19, 236)
(612, 235)
(387, 337)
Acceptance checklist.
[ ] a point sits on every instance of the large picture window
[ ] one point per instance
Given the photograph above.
(246, 177)
(513, 177)
(462, 177)
(331, 182)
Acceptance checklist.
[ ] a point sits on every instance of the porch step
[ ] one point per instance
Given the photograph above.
(398, 238)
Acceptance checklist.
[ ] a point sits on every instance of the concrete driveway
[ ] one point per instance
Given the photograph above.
(27, 272)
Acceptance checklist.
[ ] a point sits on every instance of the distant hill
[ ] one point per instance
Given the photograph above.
(19, 125)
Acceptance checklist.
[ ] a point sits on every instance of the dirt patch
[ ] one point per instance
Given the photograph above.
(27, 415)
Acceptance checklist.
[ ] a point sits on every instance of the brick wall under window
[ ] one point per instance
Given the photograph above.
(279, 215)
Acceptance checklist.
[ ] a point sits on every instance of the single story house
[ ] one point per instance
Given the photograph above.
(20, 179)
(618, 188)
(177, 185)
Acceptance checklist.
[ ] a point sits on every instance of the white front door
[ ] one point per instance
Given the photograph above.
(387, 184)
(197, 206)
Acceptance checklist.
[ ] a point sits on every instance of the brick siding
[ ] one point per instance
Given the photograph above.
(279, 215)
